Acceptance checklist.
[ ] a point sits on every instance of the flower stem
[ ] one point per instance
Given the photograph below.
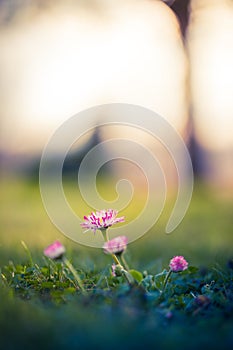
(126, 266)
(128, 277)
(60, 271)
(166, 280)
(116, 260)
(126, 274)
(124, 271)
(75, 274)
(106, 238)
(104, 232)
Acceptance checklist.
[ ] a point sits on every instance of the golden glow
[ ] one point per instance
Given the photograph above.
(211, 55)
(63, 61)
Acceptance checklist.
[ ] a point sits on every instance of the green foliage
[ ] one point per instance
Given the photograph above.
(137, 275)
(199, 298)
(42, 307)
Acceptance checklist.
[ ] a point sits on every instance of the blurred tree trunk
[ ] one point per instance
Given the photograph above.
(182, 10)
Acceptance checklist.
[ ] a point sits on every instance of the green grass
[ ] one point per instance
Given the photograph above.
(204, 236)
(42, 307)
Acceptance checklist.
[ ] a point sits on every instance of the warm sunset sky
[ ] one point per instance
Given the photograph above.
(211, 57)
(59, 61)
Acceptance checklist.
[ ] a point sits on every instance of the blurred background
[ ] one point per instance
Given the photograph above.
(173, 57)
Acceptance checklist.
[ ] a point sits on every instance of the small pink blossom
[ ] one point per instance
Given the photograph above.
(101, 220)
(113, 268)
(116, 245)
(178, 263)
(54, 250)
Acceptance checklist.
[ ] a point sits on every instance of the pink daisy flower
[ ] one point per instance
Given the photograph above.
(101, 220)
(116, 245)
(54, 250)
(178, 263)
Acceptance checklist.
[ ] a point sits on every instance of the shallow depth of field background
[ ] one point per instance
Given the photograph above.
(58, 58)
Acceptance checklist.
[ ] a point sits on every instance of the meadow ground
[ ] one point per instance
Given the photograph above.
(41, 308)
